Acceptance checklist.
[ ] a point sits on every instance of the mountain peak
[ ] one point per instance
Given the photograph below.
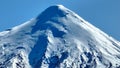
(57, 7)
(56, 10)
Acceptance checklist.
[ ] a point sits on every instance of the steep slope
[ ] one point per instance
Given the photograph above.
(58, 38)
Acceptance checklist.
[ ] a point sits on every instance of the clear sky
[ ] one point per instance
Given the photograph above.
(104, 14)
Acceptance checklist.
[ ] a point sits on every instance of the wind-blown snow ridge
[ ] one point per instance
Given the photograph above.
(58, 38)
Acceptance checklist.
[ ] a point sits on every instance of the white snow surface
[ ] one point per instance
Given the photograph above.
(58, 38)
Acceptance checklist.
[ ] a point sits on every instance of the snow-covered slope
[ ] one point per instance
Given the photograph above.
(58, 38)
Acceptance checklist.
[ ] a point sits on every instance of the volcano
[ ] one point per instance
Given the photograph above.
(58, 38)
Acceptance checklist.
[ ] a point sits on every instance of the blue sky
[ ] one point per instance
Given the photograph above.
(104, 14)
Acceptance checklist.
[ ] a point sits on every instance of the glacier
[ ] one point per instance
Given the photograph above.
(58, 38)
